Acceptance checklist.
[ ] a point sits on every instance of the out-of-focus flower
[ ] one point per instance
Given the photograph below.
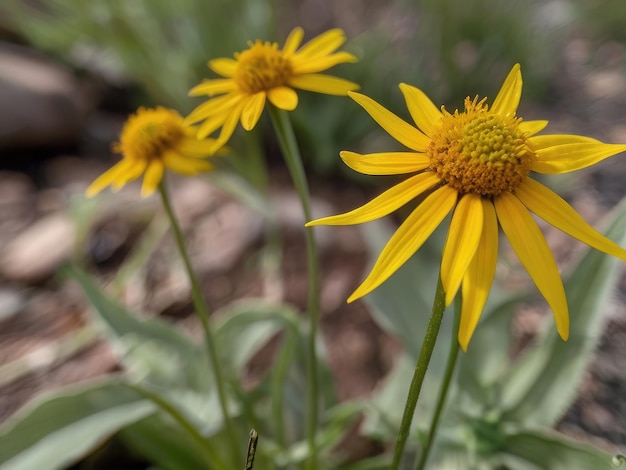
(477, 164)
(263, 71)
(152, 140)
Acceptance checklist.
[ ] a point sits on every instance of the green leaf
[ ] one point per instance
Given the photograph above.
(164, 444)
(151, 349)
(542, 384)
(63, 427)
(548, 449)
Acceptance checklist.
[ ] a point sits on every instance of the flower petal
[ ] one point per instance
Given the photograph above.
(425, 114)
(321, 83)
(224, 66)
(532, 127)
(152, 177)
(543, 142)
(409, 237)
(196, 148)
(293, 40)
(572, 157)
(229, 126)
(554, 210)
(325, 43)
(213, 106)
(283, 98)
(463, 237)
(385, 163)
(509, 95)
(534, 253)
(185, 166)
(397, 128)
(252, 110)
(213, 87)
(108, 177)
(133, 171)
(321, 63)
(211, 124)
(479, 276)
(384, 204)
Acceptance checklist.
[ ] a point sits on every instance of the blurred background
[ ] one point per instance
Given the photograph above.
(72, 70)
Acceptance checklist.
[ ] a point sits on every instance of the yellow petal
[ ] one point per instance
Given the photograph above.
(534, 253)
(213, 106)
(409, 237)
(210, 125)
(252, 110)
(465, 229)
(532, 127)
(387, 202)
(293, 40)
(229, 127)
(479, 276)
(400, 130)
(325, 43)
(224, 66)
(283, 98)
(572, 157)
(509, 95)
(152, 177)
(185, 166)
(213, 87)
(133, 170)
(195, 148)
(321, 63)
(543, 142)
(425, 114)
(554, 210)
(321, 83)
(385, 163)
(107, 178)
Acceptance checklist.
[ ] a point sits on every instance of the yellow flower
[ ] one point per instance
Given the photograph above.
(152, 140)
(263, 71)
(476, 164)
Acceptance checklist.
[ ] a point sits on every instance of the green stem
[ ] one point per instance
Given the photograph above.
(182, 422)
(291, 154)
(447, 379)
(203, 314)
(432, 330)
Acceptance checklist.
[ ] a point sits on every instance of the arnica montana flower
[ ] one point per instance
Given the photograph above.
(151, 141)
(477, 164)
(263, 71)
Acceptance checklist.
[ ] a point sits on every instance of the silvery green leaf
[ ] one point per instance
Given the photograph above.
(60, 428)
(550, 450)
(542, 384)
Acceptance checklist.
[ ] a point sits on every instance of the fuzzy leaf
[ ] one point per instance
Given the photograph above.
(61, 428)
(542, 384)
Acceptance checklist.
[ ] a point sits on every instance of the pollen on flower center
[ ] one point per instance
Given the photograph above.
(262, 67)
(480, 152)
(149, 133)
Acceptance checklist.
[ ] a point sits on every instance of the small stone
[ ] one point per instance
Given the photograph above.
(36, 253)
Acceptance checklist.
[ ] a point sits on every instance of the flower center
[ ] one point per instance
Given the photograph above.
(262, 67)
(149, 133)
(480, 152)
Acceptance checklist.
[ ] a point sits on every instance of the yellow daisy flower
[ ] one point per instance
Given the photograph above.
(152, 140)
(263, 71)
(477, 164)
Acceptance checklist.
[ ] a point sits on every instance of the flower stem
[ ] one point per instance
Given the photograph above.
(291, 154)
(182, 422)
(203, 314)
(445, 385)
(432, 330)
